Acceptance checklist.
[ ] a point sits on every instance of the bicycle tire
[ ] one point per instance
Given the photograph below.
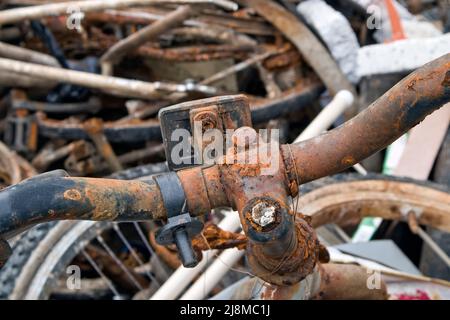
(22, 249)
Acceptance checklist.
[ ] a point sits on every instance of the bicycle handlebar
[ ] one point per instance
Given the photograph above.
(394, 113)
(55, 196)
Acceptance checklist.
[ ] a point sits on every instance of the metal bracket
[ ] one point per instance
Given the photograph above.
(181, 227)
(222, 113)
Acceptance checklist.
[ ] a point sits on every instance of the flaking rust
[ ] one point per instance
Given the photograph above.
(213, 237)
(296, 264)
(400, 108)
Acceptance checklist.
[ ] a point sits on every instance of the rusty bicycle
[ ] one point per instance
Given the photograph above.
(283, 252)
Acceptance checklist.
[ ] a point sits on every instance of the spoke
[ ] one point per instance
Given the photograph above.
(434, 246)
(144, 238)
(133, 253)
(119, 262)
(416, 229)
(99, 271)
(341, 233)
(149, 248)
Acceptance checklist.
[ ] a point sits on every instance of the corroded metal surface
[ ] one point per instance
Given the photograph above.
(300, 256)
(135, 130)
(94, 128)
(327, 282)
(305, 41)
(389, 117)
(348, 282)
(53, 196)
(398, 110)
(213, 237)
(282, 252)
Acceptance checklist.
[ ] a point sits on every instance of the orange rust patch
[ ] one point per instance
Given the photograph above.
(72, 194)
(411, 85)
(213, 237)
(348, 160)
(250, 170)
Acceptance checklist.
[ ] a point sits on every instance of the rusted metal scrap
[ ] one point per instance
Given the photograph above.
(35, 12)
(94, 128)
(119, 86)
(305, 41)
(52, 152)
(21, 131)
(337, 282)
(327, 282)
(14, 168)
(134, 130)
(280, 251)
(19, 100)
(212, 237)
(211, 35)
(23, 54)
(71, 129)
(138, 61)
(402, 107)
(111, 269)
(116, 52)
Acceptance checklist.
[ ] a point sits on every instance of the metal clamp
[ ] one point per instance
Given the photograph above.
(181, 227)
(221, 113)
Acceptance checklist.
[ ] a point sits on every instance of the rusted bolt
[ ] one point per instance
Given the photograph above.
(208, 119)
(263, 214)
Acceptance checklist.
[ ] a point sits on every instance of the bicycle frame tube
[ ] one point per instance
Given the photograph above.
(327, 282)
(285, 251)
(401, 108)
